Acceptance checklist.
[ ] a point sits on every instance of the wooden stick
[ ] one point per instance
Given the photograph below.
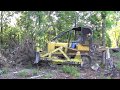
(36, 76)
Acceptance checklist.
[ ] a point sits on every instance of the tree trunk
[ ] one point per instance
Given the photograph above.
(1, 28)
(103, 32)
(75, 21)
(103, 14)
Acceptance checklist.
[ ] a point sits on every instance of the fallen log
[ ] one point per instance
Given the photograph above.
(115, 49)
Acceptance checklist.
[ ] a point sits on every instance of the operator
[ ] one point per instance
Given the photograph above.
(79, 40)
(75, 43)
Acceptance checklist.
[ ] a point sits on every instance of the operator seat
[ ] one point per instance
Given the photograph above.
(81, 39)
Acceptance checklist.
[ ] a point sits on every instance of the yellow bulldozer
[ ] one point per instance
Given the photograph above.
(77, 49)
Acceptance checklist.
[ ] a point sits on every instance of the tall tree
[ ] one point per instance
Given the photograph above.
(103, 15)
(1, 27)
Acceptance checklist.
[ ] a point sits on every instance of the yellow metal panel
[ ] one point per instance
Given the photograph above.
(78, 57)
(60, 49)
(61, 44)
(52, 45)
(58, 61)
(50, 52)
(82, 47)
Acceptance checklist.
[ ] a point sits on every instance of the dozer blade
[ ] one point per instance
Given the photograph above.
(37, 57)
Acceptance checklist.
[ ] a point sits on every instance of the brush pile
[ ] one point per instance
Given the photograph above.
(3, 61)
(22, 54)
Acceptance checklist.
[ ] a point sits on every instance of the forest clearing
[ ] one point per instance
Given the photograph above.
(59, 45)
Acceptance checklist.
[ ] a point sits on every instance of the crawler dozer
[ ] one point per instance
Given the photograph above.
(77, 49)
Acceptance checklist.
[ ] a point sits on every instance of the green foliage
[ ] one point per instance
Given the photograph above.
(114, 34)
(42, 26)
(108, 41)
(71, 70)
(111, 19)
(96, 35)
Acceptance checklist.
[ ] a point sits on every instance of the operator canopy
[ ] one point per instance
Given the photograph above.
(84, 31)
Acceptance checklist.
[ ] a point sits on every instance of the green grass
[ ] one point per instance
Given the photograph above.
(35, 72)
(1, 72)
(29, 66)
(108, 77)
(102, 76)
(117, 54)
(23, 73)
(118, 65)
(72, 70)
(28, 72)
(47, 76)
(4, 71)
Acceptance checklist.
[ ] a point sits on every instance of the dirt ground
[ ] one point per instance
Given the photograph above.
(43, 73)
(49, 72)
(53, 72)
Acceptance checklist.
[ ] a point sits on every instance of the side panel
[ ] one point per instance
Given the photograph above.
(83, 47)
(53, 45)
